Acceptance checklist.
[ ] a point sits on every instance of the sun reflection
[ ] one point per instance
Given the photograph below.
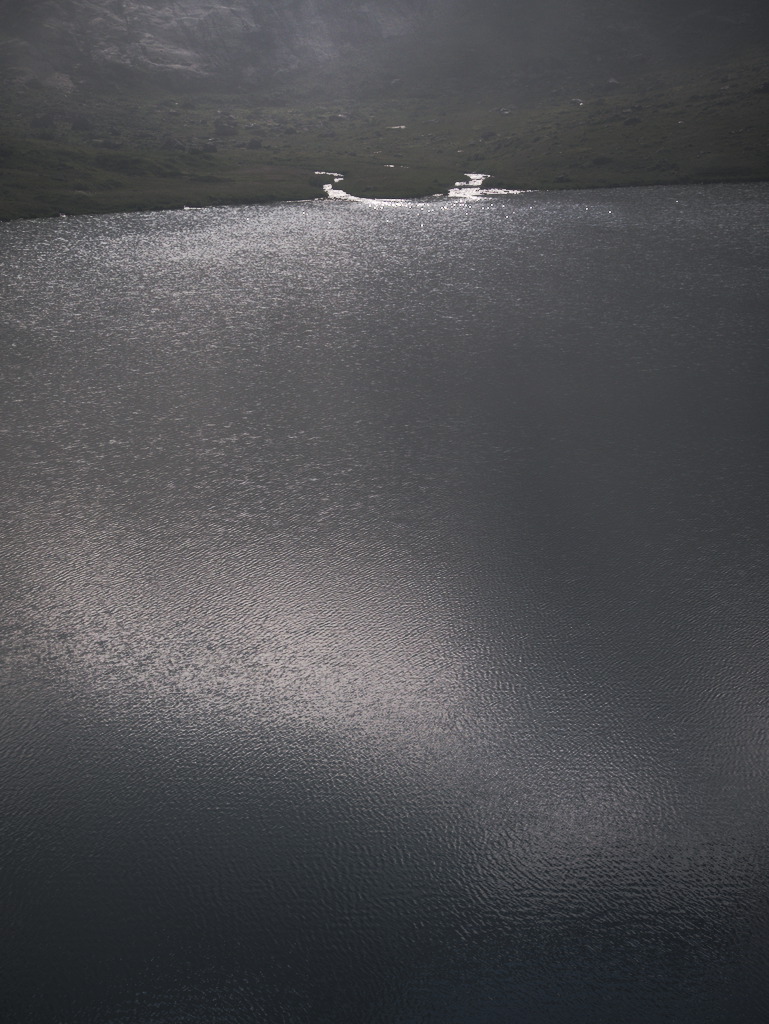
(321, 645)
(473, 188)
(465, 190)
(200, 633)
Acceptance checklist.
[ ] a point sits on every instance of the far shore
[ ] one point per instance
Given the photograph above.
(107, 154)
(62, 205)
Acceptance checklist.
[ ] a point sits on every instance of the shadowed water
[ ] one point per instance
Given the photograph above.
(386, 612)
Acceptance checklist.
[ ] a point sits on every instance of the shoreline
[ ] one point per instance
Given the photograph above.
(105, 209)
(111, 154)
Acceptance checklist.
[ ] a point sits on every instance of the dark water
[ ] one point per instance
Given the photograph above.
(387, 615)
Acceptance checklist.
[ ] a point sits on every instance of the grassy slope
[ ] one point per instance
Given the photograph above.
(62, 154)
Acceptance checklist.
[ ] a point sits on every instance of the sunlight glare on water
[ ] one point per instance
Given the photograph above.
(386, 611)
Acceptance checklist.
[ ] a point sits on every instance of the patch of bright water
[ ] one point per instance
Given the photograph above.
(473, 188)
(466, 190)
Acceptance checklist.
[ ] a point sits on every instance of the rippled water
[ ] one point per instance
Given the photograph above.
(386, 612)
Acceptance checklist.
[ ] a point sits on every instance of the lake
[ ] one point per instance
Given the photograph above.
(386, 612)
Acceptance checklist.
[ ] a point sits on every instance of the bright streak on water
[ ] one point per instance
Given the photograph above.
(473, 188)
(466, 190)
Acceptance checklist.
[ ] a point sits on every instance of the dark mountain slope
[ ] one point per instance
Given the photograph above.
(120, 104)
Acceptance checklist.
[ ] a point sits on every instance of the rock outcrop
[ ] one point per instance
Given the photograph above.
(66, 43)
(190, 39)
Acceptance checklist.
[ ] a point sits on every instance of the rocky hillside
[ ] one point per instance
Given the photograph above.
(185, 40)
(139, 104)
(65, 44)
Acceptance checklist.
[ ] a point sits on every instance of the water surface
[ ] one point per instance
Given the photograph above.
(386, 612)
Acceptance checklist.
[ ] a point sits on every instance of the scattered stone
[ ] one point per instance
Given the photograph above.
(43, 122)
(225, 124)
(224, 128)
(81, 123)
(60, 83)
(197, 146)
